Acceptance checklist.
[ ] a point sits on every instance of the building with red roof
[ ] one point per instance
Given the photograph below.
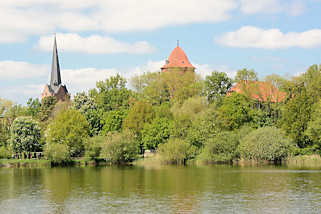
(260, 91)
(178, 61)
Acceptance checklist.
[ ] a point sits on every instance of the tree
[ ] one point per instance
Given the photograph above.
(47, 105)
(217, 85)
(182, 85)
(176, 151)
(296, 114)
(221, 148)
(246, 75)
(69, 128)
(86, 105)
(113, 120)
(155, 133)
(268, 143)
(120, 148)
(139, 114)
(184, 115)
(314, 127)
(25, 135)
(33, 107)
(235, 111)
(8, 113)
(112, 94)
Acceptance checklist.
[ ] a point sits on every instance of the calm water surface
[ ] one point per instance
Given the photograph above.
(206, 189)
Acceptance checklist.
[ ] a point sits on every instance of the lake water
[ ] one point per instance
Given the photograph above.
(164, 189)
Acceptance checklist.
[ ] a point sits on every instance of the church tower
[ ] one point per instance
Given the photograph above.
(178, 61)
(55, 88)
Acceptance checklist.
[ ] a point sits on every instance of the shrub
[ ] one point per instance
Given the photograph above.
(4, 153)
(268, 143)
(69, 128)
(120, 148)
(176, 151)
(221, 148)
(25, 135)
(93, 146)
(57, 153)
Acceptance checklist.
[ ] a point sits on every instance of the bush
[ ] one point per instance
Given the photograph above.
(222, 148)
(57, 153)
(176, 151)
(268, 143)
(25, 135)
(120, 148)
(5, 153)
(93, 147)
(69, 128)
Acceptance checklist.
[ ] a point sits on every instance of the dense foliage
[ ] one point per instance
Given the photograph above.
(176, 113)
(120, 147)
(69, 128)
(222, 148)
(268, 143)
(176, 151)
(25, 135)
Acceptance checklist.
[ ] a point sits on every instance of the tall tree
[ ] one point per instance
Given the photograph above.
(217, 85)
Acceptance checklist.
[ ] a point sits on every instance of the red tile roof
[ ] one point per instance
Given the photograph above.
(262, 91)
(178, 58)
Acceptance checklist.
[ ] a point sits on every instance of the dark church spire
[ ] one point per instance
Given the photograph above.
(55, 80)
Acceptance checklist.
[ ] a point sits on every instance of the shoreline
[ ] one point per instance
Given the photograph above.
(301, 161)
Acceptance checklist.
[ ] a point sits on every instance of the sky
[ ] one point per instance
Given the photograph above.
(98, 39)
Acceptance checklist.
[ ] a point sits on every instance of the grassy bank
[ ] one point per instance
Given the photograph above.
(34, 163)
(26, 163)
(304, 161)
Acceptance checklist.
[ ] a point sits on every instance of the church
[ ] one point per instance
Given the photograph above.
(55, 87)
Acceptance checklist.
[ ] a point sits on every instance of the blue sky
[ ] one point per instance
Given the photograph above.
(98, 39)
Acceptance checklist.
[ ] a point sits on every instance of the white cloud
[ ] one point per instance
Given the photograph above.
(94, 44)
(13, 70)
(205, 70)
(78, 80)
(23, 18)
(260, 6)
(292, 8)
(253, 37)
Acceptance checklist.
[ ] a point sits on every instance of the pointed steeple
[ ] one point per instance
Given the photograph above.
(55, 79)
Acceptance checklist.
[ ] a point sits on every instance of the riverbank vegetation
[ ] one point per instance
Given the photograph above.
(177, 114)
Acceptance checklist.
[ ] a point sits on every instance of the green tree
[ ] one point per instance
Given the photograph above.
(221, 148)
(245, 75)
(57, 153)
(182, 85)
(314, 127)
(176, 151)
(296, 114)
(120, 148)
(113, 120)
(86, 105)
(33, 107)
(47, 105)
(217, 85)
(25, 135)
(112, 94)
(235, 111)
(69, 128)
(268, 143)
(156, 132)
(139, 114)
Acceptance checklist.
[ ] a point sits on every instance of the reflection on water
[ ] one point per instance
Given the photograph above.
(168, 189)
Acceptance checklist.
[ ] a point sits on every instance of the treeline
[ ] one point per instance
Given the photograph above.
(178, 114)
